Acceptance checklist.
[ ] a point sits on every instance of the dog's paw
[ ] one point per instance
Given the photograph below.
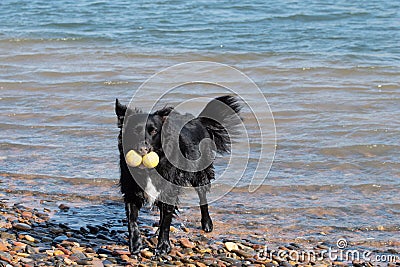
(207, 225)
(163, 247)
(134, 247)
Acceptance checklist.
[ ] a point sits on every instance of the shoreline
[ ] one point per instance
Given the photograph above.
(35, 236)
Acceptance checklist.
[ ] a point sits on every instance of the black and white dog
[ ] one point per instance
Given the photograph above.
(142, 132)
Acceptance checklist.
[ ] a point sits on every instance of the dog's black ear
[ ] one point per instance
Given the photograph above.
(120, 111)
(119, 108)
(164, 112)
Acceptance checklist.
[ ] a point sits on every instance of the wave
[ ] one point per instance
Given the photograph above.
(333, 16)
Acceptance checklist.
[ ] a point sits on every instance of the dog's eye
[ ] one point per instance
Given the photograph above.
(153, 132)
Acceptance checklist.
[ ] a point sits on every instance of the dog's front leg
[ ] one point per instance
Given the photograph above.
(167, 211)
(206, 222)
(135, 242)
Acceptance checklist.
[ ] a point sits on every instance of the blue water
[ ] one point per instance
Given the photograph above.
(329, 69)
(352, 30)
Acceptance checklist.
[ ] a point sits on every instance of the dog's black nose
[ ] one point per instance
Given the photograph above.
(144, 148)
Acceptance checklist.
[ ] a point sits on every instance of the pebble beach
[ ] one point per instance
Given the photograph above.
(30, 237)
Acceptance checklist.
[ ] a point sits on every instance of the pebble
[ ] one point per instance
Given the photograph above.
(121, 252)
(186, 243)
(102, 236)
(339, 263)
(103, 251)
(231, 246)
(59, 239)
(242, 253)
(68, 261)
(63, 207)
(29, 238)
(78, 255)
(5, 256)
(58, 253)
(29, 249)
(26, 214)
(84, 262)
(321, 246)
(46, 239)
(285, 264)
(22, 226)
(125, 257)
(93, 229)
(107, 263)
(146, 254)
(3, 246)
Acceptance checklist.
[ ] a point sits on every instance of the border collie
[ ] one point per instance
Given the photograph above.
(172, 136)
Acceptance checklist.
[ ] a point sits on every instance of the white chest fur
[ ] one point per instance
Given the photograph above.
(150, 192)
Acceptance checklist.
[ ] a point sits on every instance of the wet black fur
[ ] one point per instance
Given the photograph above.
(143, 132)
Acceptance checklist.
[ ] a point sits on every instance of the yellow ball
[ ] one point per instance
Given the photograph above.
(133, 159)
(150, 160)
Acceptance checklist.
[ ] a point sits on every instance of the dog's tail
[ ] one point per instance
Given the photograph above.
(221, 118)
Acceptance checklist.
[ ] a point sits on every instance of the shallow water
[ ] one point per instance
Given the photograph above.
(330, 73)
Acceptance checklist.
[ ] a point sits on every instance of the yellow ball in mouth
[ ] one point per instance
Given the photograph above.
(150, 160)
(133, 159)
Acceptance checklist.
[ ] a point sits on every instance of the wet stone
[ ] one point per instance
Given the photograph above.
(231, 246)
(59, 239)
(112, 259)
(103, 251)
(29, 238)
(22, 226)
(29, 249)
(242, 253)
(104, 237)
(84, 262)
(322, 246)
(89, 250)
(5, 256)
(3, 246)
(38, 257)
(56, 230)
(63, 226)
(107, 263)
(186, 243)
(201, 264)
(285, 264)
(63, 207)
(78, 255)
(83, 230)
(6, 235)
(146, 254)
(229, 260)
(93, 229)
